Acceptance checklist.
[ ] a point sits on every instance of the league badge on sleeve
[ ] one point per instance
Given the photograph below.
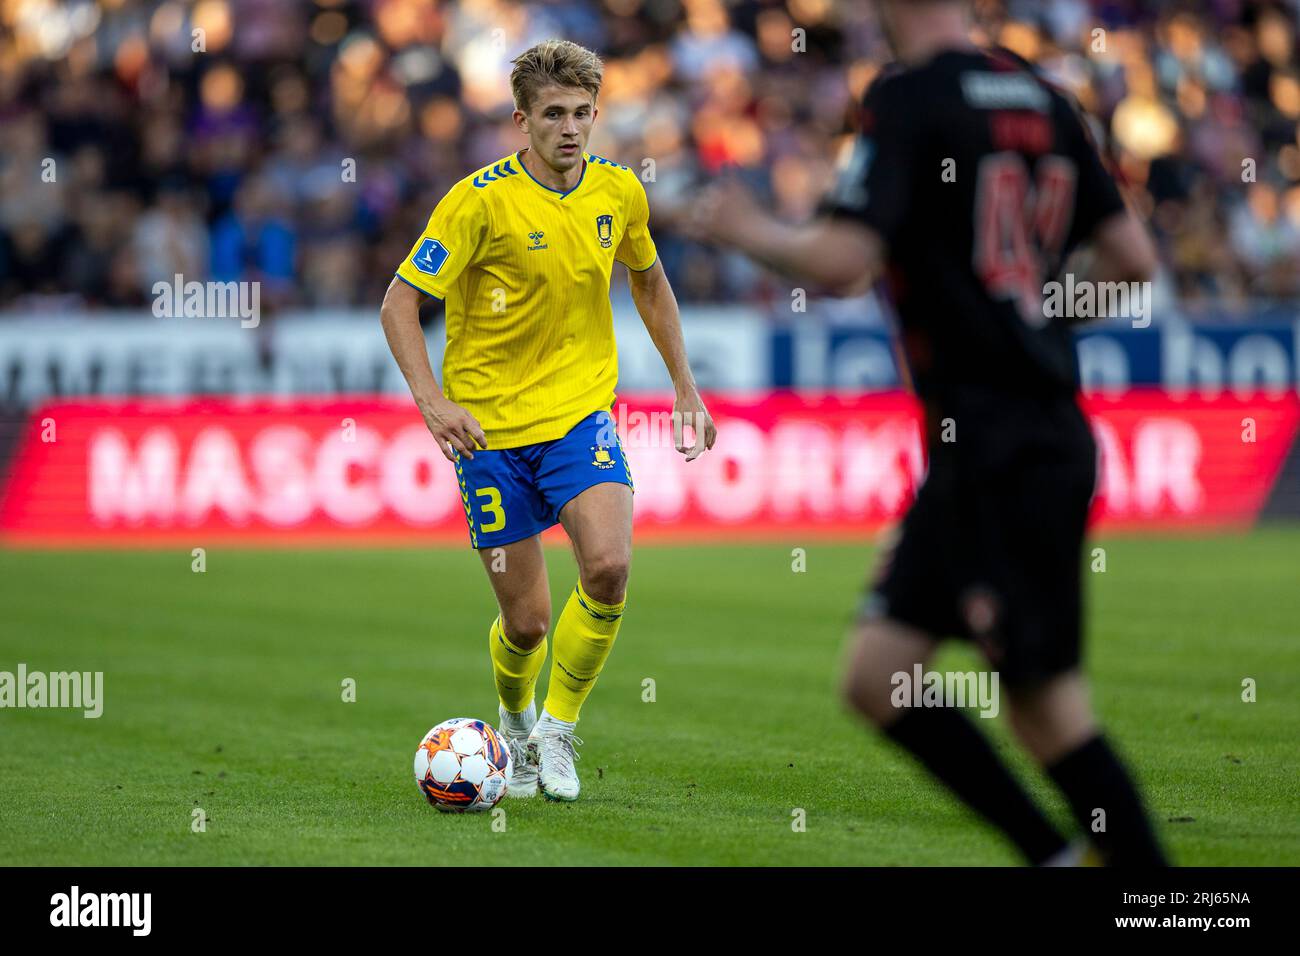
(429, 258)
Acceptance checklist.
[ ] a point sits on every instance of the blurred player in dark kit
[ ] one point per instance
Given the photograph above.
(969, 185)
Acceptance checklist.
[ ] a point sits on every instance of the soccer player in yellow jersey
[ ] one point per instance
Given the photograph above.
(521, 253)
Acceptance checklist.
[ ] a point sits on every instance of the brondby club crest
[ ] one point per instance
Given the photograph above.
(605, 230)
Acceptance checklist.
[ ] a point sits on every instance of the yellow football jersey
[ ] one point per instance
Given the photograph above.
(524, 271)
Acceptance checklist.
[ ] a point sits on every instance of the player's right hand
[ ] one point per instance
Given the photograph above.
(455, 430)
(724, 213)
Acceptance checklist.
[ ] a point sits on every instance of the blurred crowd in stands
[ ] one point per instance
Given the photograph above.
(303, 144)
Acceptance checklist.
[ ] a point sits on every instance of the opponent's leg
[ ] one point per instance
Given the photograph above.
(942, 738)
(517, 644)
(1054, 722)
(599, 523)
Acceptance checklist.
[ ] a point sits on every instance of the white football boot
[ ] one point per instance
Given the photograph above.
(552, 745)
(523, 769)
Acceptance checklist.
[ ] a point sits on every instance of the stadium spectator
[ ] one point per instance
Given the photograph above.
(293, 143)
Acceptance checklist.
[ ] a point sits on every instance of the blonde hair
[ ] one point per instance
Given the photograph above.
(554, 63)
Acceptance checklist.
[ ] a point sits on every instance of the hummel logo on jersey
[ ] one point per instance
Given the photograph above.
(536, 238)
(605, 230)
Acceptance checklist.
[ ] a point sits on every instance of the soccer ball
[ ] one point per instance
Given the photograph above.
(462, 766)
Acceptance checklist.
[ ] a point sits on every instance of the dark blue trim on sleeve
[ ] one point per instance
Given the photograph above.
(418, 289)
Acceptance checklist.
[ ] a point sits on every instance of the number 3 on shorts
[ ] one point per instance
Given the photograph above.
(491, 507)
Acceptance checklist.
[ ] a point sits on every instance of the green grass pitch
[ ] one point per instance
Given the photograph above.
(223, 691)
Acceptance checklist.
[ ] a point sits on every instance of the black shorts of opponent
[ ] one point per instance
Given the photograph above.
(991, 550)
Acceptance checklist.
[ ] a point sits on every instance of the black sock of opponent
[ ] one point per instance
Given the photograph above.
(1092, 778)
(961, 757)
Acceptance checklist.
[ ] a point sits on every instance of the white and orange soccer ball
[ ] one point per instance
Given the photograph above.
(462, 766)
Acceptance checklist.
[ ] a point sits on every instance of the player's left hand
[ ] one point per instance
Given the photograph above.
(689, 411)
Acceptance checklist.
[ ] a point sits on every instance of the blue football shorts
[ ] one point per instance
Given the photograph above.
(515, 493)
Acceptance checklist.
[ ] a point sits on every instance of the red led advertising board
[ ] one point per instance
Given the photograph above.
(366, 470)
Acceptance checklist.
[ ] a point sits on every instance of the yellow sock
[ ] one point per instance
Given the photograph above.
(583, 638)
(514, 668)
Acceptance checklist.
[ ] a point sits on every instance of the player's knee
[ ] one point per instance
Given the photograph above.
(1039, 736)
(865, 696)
(604, 578)
(1052, 718)
(527, 629)
(853, 691)
(865, 685)
(882, 650)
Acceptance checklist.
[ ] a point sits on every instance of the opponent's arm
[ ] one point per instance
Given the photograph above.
(1123, 251)
(840, 255)
(1120, 250)
(451, 426)
(657, 307)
